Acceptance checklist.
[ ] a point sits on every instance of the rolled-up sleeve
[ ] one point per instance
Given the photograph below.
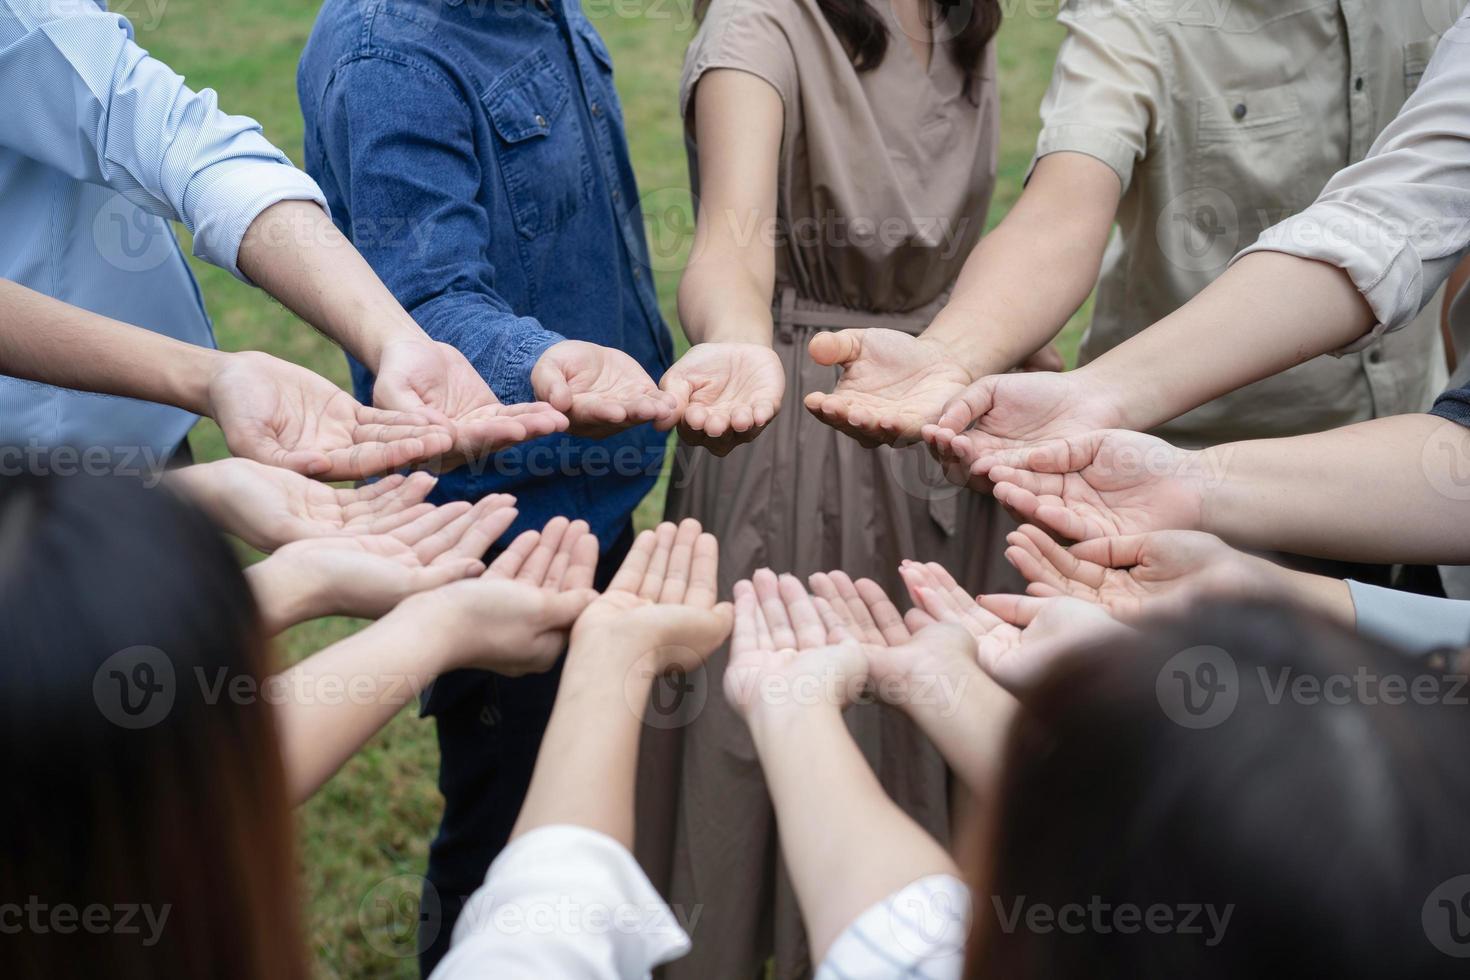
(1398, 222)
(413, 195)
(1105, 90)
(563, 902)
(919, 931)
(84, 98)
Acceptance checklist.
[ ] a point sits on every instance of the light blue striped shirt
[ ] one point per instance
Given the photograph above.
(101, 146)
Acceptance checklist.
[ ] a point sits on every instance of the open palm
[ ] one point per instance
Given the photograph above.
(600, 390)
(1103, 484)
(1140, 574)
(278, 413)
(892, 385)
(726, 393)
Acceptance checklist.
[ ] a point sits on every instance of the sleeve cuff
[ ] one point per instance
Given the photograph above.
(1453, 405)
(229, 197)
(1372, 251)
(565, 894)
(1418, 624)
(919, 931)
(1091, 141)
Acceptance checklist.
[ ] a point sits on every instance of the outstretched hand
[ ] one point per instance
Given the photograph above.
(892, 385)
(435, 381)
(283, 415)
(725, 393)
(1104, 484)
(1139, 574)
(661, 606)
(601, 390)
(1018, 638)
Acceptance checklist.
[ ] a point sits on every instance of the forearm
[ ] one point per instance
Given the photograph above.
(294, 252)
(1267, 313)
(1385, 491)
(282, 598)
(330, 704)
(722, 299)
(587, 765)
(831, 810)
(998, 316)
(43, 339)
(968, 717)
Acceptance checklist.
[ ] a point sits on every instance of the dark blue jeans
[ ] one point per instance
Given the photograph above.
(490, 730)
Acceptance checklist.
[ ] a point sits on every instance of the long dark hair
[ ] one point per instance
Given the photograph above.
(146, 819)
(1331, 826)
(964, 28)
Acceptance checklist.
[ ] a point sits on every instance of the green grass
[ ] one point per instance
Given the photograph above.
(373, 821)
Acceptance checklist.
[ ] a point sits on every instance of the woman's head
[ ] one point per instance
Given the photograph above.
(1247, 790)
(148, 828)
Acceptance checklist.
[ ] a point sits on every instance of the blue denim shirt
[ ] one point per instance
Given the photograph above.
(473, 150)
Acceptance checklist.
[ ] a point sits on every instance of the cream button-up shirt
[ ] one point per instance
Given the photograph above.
(1222, 118)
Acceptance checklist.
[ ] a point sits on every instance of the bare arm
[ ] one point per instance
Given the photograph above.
(997, 316)
(1388, 490)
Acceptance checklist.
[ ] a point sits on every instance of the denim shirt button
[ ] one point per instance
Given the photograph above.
(597, 108)
(540, 120)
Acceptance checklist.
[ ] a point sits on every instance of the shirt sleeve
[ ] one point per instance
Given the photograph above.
(1106, 88)
(1396, 221)
(415, 212)
(84, 98)
(918, 932)
(745, 35)
(1453, 405)
(563, 902)
(1420, 624)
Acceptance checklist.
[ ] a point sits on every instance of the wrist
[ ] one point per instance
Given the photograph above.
(429, 625)
(1105, 400)
(967, 340)
(1330, 597)
(187, 377)
(283, 597)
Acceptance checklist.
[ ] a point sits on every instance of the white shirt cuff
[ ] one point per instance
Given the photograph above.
(229, 195)
(565, 902)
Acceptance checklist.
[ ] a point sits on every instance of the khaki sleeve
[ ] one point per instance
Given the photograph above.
(745, 35)
(1398, 222)
(1106, 89)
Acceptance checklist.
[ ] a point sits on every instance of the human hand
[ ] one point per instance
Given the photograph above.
(283, 415)
(784, 656)
(660, 608)
(1049, 358)
(267, 506)
(1008, 411)
(1018, 638)
(514, 618)
(601, 390)
(435, 381)
(892, 384)
(367, 575)
(1103, 484)
(1141, 574)
(726, 394)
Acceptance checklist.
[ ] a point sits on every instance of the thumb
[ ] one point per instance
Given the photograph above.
(968, 405)
(1018, 610)
(841, 347)
(1122, 552)
(549, 382)
(562, 608)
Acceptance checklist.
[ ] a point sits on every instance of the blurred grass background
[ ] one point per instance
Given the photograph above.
(374, 820)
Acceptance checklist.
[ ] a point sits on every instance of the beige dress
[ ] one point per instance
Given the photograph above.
(885, 178)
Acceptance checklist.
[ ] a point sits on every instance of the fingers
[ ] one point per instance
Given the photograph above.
(704, 574)
(681, 563)
(846, 593)
(566, 549)
(414, 532)
(745, 640)
(561, 609)
(658, 564)
(486, 523)
(839, 347)
(1120, 552)
(884, 613)
(917, 619)
(806, 622)
(1018, 610)
(839, 626)
(508, 564)
(582, 569)
(773, 607)
(533, 570)
(967, 406)
(629, 576)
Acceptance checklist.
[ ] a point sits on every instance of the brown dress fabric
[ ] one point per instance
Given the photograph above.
(885, 180)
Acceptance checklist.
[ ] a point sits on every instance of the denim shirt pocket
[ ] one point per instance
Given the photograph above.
(541, 150)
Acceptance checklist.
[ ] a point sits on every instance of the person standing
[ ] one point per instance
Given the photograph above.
(475, 153)
(843, 157)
